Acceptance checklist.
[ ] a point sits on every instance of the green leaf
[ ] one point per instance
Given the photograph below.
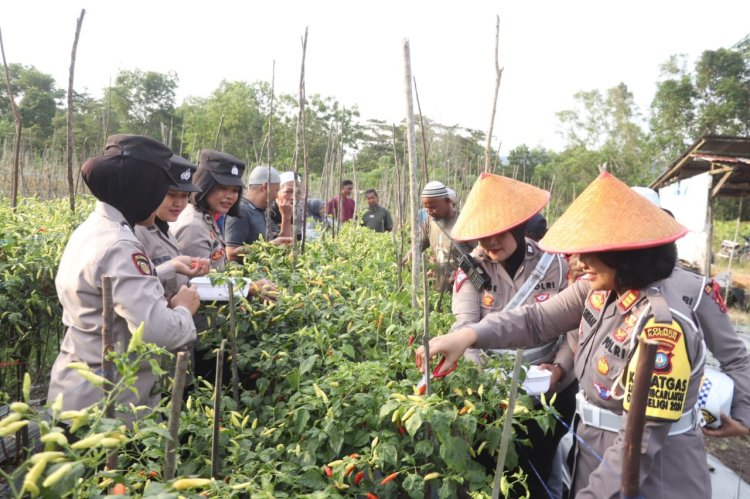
(307, 364)
(448, 490)
(388, 408)
(413, 424)
(414, 486)
(348, 350)
(424, 449)
(388, 453)
(301, 417)
(455, 453)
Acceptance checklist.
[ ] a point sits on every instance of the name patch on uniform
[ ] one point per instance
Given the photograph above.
(142, 263)
(460, 279)
(597, 299)
(614, 348)
(541, 297)
(544, 286)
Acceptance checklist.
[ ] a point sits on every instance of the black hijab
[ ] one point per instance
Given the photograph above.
(136, 188)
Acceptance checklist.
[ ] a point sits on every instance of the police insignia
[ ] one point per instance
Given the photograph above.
(142, 263)
(620, 335)
(235, 171)
(604, 393)
(487, 299)
(602, 366)
(541, 297)
(628, 300)
(597, 299)
(631, 320)
(713, 290)
(185, 175)
(217, 255)
(459, 280)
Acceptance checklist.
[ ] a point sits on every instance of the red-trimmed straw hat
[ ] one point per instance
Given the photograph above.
(497, 204)
(609, 216)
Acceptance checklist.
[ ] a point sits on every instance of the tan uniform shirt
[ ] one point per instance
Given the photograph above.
(704, 298)
(471, 305)
(161, 248)
(670, 466)
(104, 245)
(197, 235)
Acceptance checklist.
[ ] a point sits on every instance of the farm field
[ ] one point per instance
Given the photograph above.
(327, 405)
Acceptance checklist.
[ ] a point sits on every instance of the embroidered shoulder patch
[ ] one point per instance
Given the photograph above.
(541, 297)
(459, 280)
(217, 255)
(142, 263)
(713, 290)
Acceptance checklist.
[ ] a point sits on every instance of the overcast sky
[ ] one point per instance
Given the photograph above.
(549, 49)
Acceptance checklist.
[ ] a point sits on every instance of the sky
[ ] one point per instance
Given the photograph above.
(549, 50)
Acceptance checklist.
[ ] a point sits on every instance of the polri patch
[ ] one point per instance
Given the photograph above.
(142, 263)
(620, 335)
(487, 299)
(459, 280)
(602, 365)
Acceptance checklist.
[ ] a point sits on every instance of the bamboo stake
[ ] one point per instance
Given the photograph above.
(267, 235)
(175, 407)
(69, 151)
(425, 177)
(300, 138)
(637, 418)
(498, 76)
(233, 338)
(108, 367)
(399, 216)
(19, 127)
(507, 425)
(217, 410)
(411, 137)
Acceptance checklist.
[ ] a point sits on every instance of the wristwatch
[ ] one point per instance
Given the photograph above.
(562, 371)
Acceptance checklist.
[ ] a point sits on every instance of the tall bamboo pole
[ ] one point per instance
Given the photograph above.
(267, 235)
(218, 382)
(175, 406)
(69, 150)
(498, 76)
(413, 183)
(108, 367)
(631, 462)
(425, 176)
(299, 221)
(19, 127)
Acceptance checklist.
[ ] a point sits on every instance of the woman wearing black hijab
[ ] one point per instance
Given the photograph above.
(129, 181)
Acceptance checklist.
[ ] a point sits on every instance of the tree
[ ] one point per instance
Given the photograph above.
(722, 80)
(523, 161)
(37, 99)
(142, 102)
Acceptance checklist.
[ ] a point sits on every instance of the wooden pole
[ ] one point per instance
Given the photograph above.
(631, 462)
(300, 139)
(69, 150)
(399, 216)
(425, 176)
(498, 76)
(175, 407)
(217, 409)
(413, 183)
(108, 367)
(233, 339)
(507, 425)
(267, 235)
(19, 127)
(218, 131)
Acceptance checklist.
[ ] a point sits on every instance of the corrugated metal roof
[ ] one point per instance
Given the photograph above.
(727, 158)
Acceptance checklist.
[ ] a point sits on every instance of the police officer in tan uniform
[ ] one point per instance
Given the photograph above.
(198, 229)
(104, 245)
(626, 247)
(508, 259)
(173, 269)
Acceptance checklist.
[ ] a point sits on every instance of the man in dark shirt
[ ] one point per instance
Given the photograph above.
(251, 224)
(376, 217)
(347, 203)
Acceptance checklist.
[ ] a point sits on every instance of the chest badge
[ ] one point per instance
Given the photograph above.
(541, 297)
(597, 299)
(487, 299)
(603, 366)
(604, 392)
(217, 255)
(621, 335)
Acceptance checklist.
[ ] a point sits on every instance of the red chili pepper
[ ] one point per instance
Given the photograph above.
(358, 477)
(411, 339)
(329, 471)
(370, 495)
(401, 430)
(389, 478)
(152, 474)
(354, 456)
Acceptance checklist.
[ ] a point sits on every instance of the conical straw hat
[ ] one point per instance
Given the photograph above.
(497, 204)
(608, 216)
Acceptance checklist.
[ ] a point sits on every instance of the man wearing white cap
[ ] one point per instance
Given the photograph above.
(436, 232)
(262, 185)
(286, 196)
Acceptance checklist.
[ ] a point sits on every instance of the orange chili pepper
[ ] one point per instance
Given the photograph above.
(389, 478)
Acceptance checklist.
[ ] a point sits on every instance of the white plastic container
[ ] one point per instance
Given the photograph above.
(209, 292)
(537, 380)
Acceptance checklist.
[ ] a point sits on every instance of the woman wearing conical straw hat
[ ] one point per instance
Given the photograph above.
(495, 216)
(626, 245)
